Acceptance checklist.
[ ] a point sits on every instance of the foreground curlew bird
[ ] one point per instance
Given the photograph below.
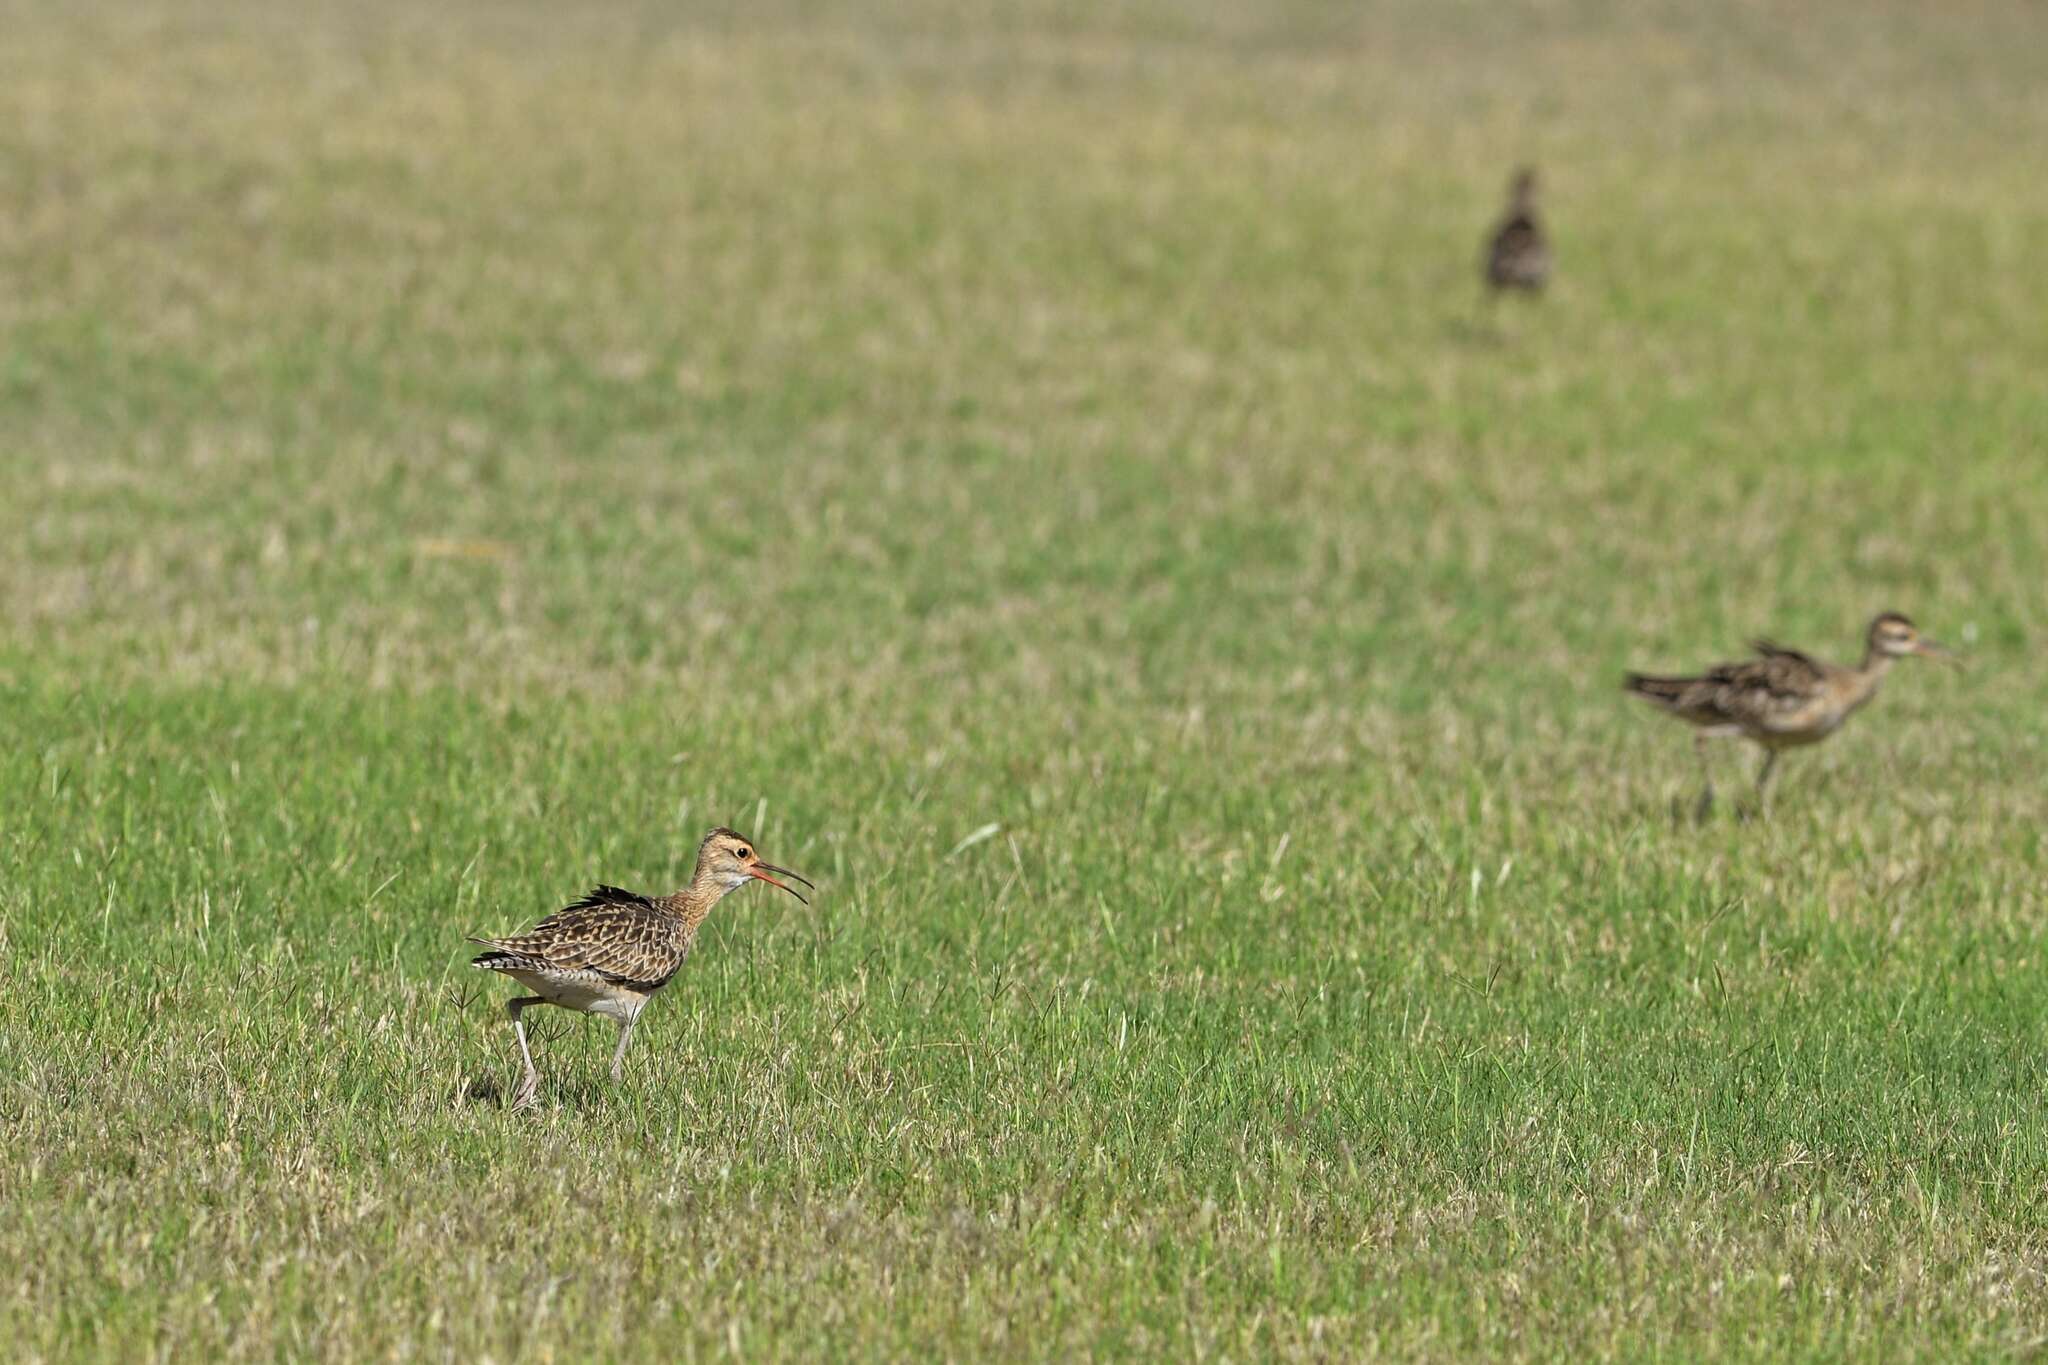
(1518, 254)
(611, 951)
(1781, 699)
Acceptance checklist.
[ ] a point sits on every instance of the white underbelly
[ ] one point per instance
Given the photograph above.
(1799, 738)
(586, 992)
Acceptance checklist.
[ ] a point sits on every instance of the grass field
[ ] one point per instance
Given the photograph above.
(453, 455)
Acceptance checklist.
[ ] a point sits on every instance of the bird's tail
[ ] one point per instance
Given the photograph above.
(497, 960)
(1662, 691)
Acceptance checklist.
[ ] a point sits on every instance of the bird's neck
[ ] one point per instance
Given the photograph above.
(696, 900)
(1876, 663)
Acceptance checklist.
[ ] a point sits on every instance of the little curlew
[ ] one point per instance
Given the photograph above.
(611, 951)
(1781, 699)
(1518, 253)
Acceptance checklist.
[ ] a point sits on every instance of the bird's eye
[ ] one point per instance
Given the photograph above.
(746, 853)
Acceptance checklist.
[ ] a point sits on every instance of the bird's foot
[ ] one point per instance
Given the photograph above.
(527, 1093)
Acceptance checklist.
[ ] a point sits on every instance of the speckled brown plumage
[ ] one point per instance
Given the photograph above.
(1782, 699)
(611, 951)
(611, 936)
(1518, 252)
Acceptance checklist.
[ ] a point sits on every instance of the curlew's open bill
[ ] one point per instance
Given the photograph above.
(1931, 650)
(762, 870)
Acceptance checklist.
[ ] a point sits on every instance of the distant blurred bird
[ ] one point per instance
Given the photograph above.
(1781, 699)
(611, 951)
(1518, 253)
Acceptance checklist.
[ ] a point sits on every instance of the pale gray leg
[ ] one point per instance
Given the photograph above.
(529, 1084)
(1763, 781)
(1706, 805)
(619, 1057)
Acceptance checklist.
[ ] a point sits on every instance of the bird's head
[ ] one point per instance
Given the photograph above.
(727, 860)
(1895, 637)
(1523, 187)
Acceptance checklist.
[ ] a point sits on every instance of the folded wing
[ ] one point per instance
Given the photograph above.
(1777, 690)
(615, 935)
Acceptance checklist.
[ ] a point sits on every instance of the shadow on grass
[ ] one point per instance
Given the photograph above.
(1684, 812)
(1482, 329)
(483, 1090)
(582, 1096)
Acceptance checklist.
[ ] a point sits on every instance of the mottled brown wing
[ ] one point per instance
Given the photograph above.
(619, 935)
(1518, 256)
(1796, 668)
(1774, 690)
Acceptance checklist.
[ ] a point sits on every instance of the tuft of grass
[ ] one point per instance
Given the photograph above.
(1046, 473)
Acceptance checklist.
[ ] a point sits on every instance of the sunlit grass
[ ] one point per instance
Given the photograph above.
(453, 458)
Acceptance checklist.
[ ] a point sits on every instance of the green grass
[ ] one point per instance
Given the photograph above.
(451, 457)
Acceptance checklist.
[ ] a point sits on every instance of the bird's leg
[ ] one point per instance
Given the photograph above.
(619, 1057)
(1763, 782)
(1706, 805)
(529, 1084)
